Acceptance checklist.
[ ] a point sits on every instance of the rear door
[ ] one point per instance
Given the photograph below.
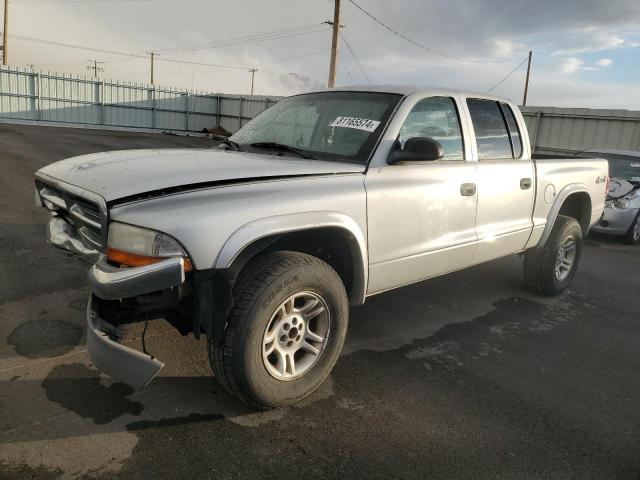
(505, 180)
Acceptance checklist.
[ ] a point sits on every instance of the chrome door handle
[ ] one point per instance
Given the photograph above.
(525, 183)
(468, 189)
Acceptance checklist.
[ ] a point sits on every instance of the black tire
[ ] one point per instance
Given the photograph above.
(540, 262)
(632, 237)
(262, 286)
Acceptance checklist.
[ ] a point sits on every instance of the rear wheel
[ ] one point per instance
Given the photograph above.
(550, 268)
(632, 237)
(285, 331)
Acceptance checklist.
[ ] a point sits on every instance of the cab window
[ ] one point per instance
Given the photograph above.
(437, 118)
(514, 131)
(492, 136)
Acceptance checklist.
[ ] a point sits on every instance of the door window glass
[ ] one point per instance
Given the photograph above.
(492, 136)
(437, 118)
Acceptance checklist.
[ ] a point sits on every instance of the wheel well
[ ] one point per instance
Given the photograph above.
(333, 245)
(578, 206)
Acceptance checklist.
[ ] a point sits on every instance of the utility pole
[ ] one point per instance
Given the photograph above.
(153, 54)
(193, 69)
(95, 67)
(5, 34)
(526, 83)
(334, 44)
(253, 74)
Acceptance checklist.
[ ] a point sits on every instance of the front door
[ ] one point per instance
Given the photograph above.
(421, 215)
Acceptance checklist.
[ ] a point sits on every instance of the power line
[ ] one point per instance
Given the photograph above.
(124, 54)
(244, 40)
(317, 52)
(355, 58)
(19, 2)
(261, 66)
(343, 66)
(507, 76)
(417, 44)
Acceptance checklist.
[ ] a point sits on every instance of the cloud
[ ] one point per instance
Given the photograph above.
(571, 65)
(487, 29)
(591, 40)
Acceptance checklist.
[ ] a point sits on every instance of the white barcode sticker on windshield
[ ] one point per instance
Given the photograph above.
(357, 123)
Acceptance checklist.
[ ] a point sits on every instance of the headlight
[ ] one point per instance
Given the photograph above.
(621, 203)
(132, 246)
(624, 202)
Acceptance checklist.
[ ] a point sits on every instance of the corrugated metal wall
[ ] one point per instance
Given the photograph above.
(557, 131)
(55, 97)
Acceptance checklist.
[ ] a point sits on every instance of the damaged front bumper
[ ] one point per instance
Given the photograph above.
(122, 363)
(616, 221)
(113, 283)
(120, 296)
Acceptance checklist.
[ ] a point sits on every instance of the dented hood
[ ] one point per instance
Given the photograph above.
(120, 174)
(619, 187)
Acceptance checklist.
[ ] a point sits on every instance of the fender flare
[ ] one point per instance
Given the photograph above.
(282, 224)
(557, 205)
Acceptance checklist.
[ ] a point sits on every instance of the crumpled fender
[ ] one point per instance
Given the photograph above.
(282, 224)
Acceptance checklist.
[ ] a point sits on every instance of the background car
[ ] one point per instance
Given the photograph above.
(622, 209)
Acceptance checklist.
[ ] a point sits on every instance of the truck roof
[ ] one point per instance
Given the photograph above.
(411, 89)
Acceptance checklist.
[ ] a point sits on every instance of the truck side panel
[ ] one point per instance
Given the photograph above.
(558, 179)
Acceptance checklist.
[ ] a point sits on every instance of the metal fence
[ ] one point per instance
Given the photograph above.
(560, 131)
(55, 97)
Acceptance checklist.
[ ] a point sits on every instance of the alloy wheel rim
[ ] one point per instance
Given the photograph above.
(636, 229)
(296, 335)
(566, 258)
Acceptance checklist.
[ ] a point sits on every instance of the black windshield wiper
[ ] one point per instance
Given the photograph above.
(282, 146)
(230, 143)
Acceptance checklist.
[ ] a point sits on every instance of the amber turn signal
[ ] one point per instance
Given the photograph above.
(126, 259)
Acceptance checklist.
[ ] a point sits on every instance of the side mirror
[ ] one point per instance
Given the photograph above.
(417, 149)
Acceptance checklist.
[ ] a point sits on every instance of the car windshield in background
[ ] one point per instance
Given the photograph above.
(621, 166)
(340, 126)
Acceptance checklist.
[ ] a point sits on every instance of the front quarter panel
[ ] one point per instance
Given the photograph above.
(205, 221)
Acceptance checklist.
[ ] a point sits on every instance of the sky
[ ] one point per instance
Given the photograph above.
(586, 53)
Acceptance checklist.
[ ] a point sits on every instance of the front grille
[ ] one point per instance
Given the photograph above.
(88, 209)
(86, 215)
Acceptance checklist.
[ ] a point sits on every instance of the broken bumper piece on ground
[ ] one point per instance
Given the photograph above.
(122, 363)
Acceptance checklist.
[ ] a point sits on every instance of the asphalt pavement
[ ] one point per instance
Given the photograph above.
(463, 376)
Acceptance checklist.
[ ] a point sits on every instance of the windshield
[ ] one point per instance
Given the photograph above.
(339, 126)
(621, 166)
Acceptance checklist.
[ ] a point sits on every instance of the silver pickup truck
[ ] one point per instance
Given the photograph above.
(316, 204)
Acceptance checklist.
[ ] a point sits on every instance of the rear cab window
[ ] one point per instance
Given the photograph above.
(514, 131)
(496, 130)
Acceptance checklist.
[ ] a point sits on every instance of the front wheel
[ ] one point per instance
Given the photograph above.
(285, 331)
(550, 268)
(632, 237)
